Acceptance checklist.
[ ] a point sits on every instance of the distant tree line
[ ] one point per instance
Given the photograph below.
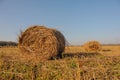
(6, 43)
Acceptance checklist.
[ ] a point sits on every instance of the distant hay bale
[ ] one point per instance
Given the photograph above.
(42, 41)
(92, 46)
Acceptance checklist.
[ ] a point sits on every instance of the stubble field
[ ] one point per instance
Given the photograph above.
(76, 64)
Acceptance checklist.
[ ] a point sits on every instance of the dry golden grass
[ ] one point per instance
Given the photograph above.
(105, 50)
(76, 64)
(74, 49)
(15, 66)
(111, 50)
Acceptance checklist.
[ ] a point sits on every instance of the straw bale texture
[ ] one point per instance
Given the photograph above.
(42, 41)
(92, 46)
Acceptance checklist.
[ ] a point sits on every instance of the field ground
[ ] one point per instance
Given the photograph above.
(76, 64)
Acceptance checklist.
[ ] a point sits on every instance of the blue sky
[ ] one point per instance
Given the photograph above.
(79, 20)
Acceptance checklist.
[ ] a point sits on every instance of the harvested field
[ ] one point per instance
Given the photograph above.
(79, 65)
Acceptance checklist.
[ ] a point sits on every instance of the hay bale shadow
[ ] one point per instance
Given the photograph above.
(106, 50)
(79, 55)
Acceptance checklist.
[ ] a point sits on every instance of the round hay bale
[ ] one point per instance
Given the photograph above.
(92, 46)
(42, 41)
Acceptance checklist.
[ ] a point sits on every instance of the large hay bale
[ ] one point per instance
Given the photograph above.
(92, 46)
(42, 41)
